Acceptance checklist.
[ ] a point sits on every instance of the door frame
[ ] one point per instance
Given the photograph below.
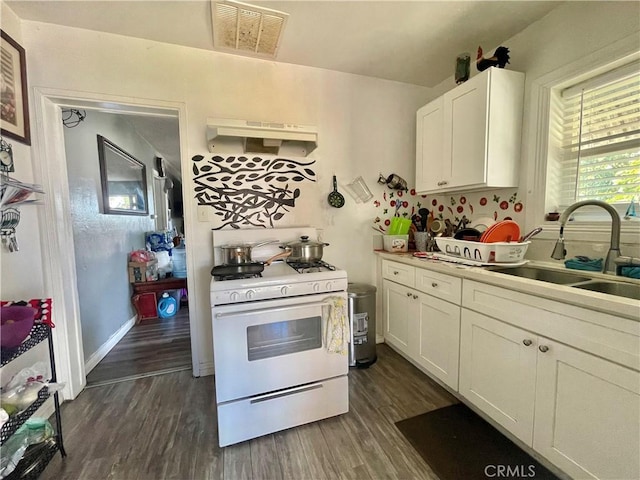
(58, 253)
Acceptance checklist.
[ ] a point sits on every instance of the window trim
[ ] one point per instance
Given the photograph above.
(537, 130)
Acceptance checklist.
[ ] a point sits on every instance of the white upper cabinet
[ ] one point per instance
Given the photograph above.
(469, 138)
(430, 145)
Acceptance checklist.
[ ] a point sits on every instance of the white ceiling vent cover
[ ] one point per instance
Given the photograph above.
(247, 29)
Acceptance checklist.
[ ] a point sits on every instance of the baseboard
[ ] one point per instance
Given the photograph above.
(107, 346)
(206, 368)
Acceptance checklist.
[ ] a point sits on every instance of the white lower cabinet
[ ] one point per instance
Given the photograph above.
(425, 328)
(579, 411)
(587, 414)
(561, 378)
(398, 309)
(498, 371)
(438, 335)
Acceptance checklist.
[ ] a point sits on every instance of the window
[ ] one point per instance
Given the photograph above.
(594, 143)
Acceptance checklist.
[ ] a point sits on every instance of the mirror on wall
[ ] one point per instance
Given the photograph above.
(123, 179)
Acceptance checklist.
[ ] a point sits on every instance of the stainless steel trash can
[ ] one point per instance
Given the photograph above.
(362, 315)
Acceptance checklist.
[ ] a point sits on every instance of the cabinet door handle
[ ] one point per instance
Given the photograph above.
(415, 297)
(408, 294)
(395, 272)
(434, 284)
(527, 342)
(543, 348)
(443, 182)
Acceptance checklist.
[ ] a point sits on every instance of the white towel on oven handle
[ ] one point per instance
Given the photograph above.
(336, 335)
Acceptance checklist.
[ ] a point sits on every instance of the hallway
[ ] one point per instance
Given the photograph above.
(151, 347)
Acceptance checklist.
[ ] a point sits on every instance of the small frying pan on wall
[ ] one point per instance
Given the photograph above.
(335, 198)
(249, 268)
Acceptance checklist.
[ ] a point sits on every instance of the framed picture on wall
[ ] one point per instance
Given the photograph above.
(14, 104)
(124, 181)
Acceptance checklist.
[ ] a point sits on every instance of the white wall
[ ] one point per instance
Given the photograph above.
(102, 242)
(21, 271)
(365, 125)
(21, 275)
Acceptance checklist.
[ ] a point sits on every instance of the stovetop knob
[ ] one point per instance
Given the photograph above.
(316, 287)
(284, 290)
(234, 296)
(251, 294)
(329, 285)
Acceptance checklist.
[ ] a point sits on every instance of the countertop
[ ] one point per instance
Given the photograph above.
(611, 304)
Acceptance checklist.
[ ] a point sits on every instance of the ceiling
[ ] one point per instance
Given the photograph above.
(407, 41)
(164, 136)
(414, 42)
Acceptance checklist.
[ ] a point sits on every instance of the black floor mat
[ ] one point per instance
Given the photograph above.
(458, 444)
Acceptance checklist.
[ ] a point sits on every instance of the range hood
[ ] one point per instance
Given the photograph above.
(225, 135)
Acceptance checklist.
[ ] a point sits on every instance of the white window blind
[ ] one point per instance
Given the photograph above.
(599, 133)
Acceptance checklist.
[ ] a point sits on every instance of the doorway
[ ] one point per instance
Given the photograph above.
(116, 346)
(59, 250)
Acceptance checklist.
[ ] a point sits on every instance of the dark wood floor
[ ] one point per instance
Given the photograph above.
(164, 427)
(151, 347)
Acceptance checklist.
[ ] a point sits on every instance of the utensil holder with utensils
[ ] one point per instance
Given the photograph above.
(424, 241)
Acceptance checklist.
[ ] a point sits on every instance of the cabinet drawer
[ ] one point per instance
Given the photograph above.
(445, 287)
(398, 272)
(252, 417)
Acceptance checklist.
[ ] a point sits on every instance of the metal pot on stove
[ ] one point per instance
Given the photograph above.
(240, 254)
(304, 251)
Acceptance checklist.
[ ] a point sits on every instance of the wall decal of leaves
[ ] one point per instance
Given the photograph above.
(249, 192)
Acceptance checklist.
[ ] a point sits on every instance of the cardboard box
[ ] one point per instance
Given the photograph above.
(143, 271)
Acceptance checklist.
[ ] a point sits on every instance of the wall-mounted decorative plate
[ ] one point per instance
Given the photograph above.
(6, 157)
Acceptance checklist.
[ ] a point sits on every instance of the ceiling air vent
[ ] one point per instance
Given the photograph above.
(247, 29)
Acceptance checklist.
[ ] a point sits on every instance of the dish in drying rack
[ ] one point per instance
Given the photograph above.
(505, 231)
(482, 224)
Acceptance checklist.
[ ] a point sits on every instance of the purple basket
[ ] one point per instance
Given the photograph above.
(17, 322)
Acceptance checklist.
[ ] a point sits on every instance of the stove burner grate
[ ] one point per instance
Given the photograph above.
(237, 276)
(310, 267)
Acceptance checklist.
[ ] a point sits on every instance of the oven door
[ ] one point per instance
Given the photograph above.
(264, 346)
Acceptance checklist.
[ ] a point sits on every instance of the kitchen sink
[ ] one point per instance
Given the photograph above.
(612, 288)
(619, 289)
(544, 275)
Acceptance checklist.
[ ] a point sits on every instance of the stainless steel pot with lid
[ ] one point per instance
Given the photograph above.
(240, 254)
(305, 251)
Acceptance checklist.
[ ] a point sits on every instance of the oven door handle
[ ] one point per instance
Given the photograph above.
(273, 396)
(262, 311)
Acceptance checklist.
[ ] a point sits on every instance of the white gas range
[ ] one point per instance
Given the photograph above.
(272, 368)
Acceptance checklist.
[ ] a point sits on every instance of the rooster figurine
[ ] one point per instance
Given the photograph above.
(500, 59)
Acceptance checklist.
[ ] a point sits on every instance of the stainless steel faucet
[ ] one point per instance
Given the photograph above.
(559, 252)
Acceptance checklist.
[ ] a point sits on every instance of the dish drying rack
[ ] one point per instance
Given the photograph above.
(13, 193)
